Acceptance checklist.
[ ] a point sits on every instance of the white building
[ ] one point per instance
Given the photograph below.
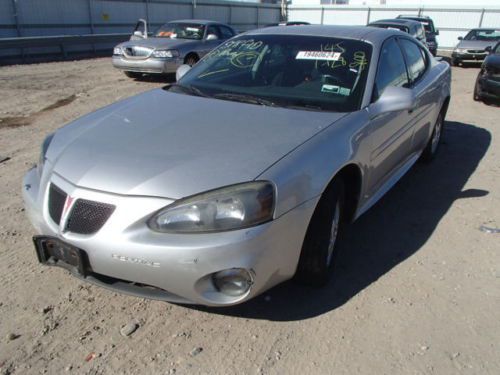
(412, 3)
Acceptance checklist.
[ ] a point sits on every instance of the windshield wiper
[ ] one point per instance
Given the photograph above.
(191, 90)
(304, 107)
(245, 99)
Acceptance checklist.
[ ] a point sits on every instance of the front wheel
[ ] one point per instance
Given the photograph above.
(432, 147)
(320, 248)
(455, 62)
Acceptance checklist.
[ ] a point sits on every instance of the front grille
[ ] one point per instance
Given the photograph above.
(137, 51)
(87, 217)
(477, 51)
(57, 198)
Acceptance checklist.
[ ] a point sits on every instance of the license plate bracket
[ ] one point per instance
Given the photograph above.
(54, 252)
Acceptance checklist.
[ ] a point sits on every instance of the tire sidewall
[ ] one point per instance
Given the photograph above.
(312, 268)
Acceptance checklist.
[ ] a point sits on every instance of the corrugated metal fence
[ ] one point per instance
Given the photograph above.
(25, 18)
(451, 23)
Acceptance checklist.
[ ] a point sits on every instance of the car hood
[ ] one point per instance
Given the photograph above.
(475, 44)
(492, 61)
(157, 42)
(174, 145)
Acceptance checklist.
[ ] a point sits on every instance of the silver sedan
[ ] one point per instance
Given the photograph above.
(173, 44)
(244, 173)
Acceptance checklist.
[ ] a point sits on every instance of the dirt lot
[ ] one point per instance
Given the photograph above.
(418, 292)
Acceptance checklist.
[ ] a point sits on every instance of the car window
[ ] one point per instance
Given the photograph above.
(415, 59)
(484, 35)
(175, 30)
(226, 32)
(316, 73)
(421, 32)
(497, 49)
(213, 30)
(391, 68)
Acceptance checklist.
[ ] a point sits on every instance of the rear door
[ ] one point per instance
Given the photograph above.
(209, 45)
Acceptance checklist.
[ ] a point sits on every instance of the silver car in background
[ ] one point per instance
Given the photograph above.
(473, 46)
(243, 174)
(173, 44)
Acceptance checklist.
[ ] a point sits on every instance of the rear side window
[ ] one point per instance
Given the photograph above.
(420, 32)
(415, 59)
(391, 68)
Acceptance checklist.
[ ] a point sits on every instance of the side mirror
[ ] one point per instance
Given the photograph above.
(488, 49)
(181, 71)
(212, 37)
(393, 99)
(138, 34)
(460, 38)
(436, 32)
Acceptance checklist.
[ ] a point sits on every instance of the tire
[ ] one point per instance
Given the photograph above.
(455, 62)
(477, 91)
(133, 75)
(191, 59)
(432, 146)
(320, 248)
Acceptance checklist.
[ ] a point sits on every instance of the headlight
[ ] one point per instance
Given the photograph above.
(117, 51)
(233, 207)
(460, 50)
(43, 152)
(165, 53)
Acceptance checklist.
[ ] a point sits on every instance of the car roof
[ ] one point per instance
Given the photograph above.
(414, 17)
(201, 22)
(395, 21)
(485, 29)
(371, 34)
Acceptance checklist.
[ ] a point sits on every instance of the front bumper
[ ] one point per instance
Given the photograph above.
(126, 256)
(149, 65)
(489, 87)
(465, 56)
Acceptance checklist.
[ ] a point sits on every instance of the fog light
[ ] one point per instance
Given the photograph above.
(233, 282)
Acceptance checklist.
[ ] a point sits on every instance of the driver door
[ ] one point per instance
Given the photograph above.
(208, 44)
(390, 133)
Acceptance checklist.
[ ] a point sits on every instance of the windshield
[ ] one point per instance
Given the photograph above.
(315, 73)
(484, 35)
(181, 31)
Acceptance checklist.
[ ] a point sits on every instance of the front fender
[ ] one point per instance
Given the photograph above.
(305, 172)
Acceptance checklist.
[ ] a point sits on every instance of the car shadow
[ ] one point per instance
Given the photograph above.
(159, 78)
(491, 102)
(388, 234)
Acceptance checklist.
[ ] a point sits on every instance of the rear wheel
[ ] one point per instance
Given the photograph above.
(320, 248)
(133, 74)
(432, 147)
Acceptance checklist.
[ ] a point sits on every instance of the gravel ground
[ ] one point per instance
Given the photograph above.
(417, 292)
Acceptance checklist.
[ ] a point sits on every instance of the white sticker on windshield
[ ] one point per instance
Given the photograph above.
(195, 29)
(333, 89)
(318, 55)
